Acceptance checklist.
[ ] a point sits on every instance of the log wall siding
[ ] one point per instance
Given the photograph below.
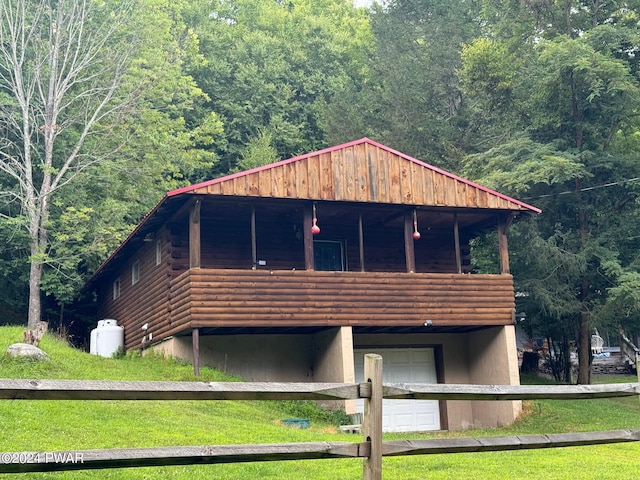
(145, 302)
(178, 233)
(360, 173)
(232, 298)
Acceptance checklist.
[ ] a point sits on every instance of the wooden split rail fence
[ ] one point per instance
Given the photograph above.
(371, 449)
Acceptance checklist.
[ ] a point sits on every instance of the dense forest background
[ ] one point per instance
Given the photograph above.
(105, 105)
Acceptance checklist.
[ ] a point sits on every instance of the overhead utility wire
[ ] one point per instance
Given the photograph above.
(612, 184)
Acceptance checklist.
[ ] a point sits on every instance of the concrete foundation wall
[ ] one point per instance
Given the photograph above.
(272, 358)
(326, 356)
(495, 361)
(332, 361)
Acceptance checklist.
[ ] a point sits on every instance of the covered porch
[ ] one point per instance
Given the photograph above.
(274, 234)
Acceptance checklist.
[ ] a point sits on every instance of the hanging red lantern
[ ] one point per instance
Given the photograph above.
(416, 233)
(315, 229)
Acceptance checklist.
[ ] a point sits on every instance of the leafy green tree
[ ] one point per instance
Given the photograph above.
(258, 152)
(554, 89)
(271, 67)
(86, 88)
(409, 97)
(61, 68)
(156, 150)
(622, 309)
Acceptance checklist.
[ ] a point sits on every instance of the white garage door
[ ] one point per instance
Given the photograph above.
(404, 365)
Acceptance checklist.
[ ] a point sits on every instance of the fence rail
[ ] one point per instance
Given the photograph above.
(25, 462)
(371, 450)
(127, 390)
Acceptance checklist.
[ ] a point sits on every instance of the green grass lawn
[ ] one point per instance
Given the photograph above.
(68, 425)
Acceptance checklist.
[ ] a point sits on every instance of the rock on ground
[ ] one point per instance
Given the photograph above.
(26, 350)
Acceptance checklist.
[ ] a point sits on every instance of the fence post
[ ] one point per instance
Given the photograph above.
(372, 421)
(195, 338)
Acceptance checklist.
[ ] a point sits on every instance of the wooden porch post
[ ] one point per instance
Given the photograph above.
(194, 235)
(254, 243)
(504, 223)
(195, 337)
(409, 248)
(308, 237)
(456, 240)
(361, 242)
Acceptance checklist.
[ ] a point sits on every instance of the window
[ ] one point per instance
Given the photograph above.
(328, 256)
(135, 272)
(158, 252)
(116, 289)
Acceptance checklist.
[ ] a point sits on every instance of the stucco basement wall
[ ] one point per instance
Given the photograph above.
(322, 357)
(495, 362)
(274, 358)
(333, 361)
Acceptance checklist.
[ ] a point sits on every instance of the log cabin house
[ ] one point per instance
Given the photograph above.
(293, 271)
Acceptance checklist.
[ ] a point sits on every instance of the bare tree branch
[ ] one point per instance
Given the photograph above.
(61, 69)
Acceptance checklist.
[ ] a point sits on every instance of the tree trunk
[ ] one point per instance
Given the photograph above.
(39, 243)
(584, 336)
(567, 365)
(35, 306)
(584, 340)
(584, 350)
(567, 17)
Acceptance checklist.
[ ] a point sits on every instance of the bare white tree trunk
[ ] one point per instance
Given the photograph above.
(35, 308)
(63, 71)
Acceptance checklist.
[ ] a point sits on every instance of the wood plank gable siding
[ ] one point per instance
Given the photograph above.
(145, 302)
(252, 298)
(360, 172)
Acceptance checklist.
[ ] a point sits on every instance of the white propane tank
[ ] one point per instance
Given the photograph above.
(93, 348)
(108, 338)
